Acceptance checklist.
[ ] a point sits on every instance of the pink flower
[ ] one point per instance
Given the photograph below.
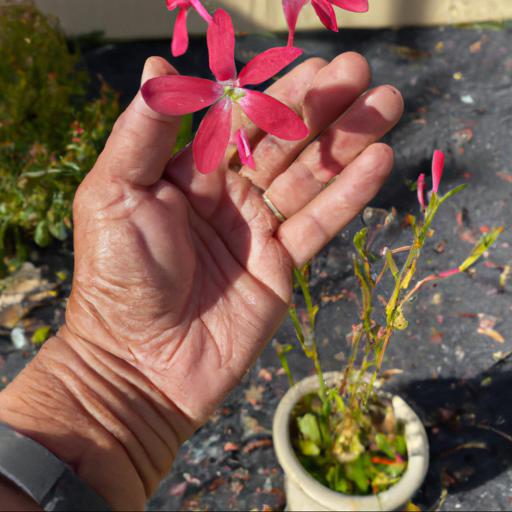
(437, 170)
(323, 9)
(244, 148)
(177, 95)
(421, 191)
(180, 37)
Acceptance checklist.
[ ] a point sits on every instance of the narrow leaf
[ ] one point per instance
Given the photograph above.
(480, 248)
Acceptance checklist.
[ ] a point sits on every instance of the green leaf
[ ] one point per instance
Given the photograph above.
(401, 445)
(308, 426)
(392, 265)
(292, 312)
(42, 234)
(480, 248)
(41, 335)
(384, 445)
(453, 192)
(185, 134)
(33, 174)
(360, 242)
(308, 447)
(400, 322)
(59, 231)
(356, 472)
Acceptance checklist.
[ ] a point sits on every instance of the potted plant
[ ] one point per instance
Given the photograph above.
(343, 443)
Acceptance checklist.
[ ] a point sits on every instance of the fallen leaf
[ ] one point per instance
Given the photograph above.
(388, 374)
(178, 489)
(491, 333)
(256, 444)
(463, 136)
(41, 335)
(251, 426)
(22, 292)
(486, 324)
(436, 337)
(265, 375)
(476, 47)
(254, 395)
(231, 447)
(437, 299)
(410, 53)
(326, 299)
(468, 236)
(439, 46)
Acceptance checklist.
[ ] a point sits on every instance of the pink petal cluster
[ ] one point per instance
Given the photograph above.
(437, 175)
(244, 148)
(421, 191)
(324, 9)
(179, 43)
(177, 95)
(437, 170)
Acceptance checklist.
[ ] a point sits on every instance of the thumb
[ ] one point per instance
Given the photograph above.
(142, 140)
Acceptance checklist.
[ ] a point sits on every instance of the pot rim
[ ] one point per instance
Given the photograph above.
(391, 499)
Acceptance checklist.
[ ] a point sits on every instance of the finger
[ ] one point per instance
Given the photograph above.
(370, 118)
(334, 88)
(309, 230)
(142, 140)
(205, 190)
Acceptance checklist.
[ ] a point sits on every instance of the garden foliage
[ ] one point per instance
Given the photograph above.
(51, 132)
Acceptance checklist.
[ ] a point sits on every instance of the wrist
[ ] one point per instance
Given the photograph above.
(97, 414)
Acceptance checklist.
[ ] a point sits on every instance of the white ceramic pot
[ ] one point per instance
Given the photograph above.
(303, 492)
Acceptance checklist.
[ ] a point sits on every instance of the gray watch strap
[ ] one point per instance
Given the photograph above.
(47, 480)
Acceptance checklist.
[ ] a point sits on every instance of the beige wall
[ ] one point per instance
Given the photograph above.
(149, 18)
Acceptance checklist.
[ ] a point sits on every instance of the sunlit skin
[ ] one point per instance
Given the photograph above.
(181, 278)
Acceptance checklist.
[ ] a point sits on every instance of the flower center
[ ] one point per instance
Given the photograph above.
(234, 93)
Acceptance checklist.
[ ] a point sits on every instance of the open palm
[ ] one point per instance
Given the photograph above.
(186, 276)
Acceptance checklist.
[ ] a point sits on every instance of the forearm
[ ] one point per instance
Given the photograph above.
(99, 415)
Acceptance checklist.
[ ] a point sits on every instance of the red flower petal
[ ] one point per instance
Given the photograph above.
(198, 6)
(221, 46)
(421, 191)
(437, 170)
(273, 116)
(177, 95)
(172, 4)
(267, 64)
(244, 148)
(352, 5)
(292, 10)
(212, 137)
(326, 14)
(180, 37)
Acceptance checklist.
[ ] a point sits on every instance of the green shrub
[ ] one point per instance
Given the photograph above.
(50, 131)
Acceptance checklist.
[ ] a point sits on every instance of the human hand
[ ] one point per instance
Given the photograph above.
(181, 278)
(185, 276)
